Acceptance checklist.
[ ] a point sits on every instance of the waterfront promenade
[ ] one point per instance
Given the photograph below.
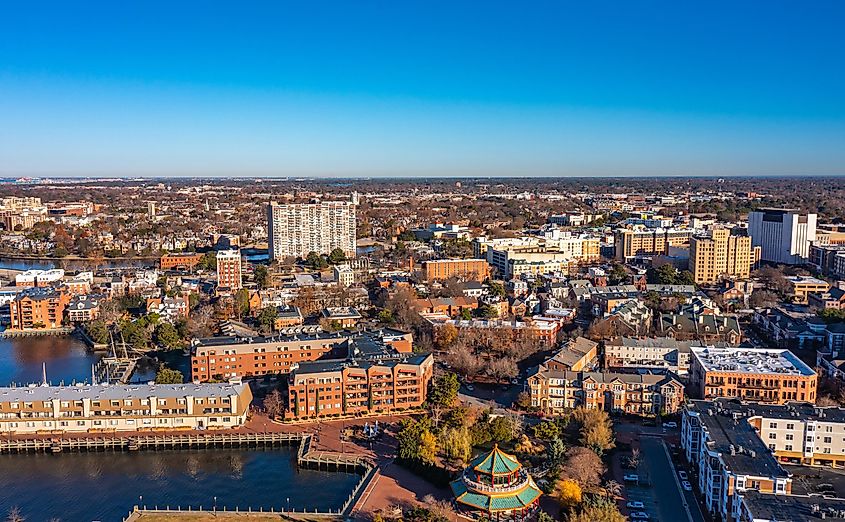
(384, 485)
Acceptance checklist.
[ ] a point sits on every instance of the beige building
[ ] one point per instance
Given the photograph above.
(295, 229)
(801, 286)
(112, 408)
(721, 254)
(648, 242)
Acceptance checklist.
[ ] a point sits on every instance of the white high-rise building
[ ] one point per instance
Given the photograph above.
(783, 235)
(295, 229)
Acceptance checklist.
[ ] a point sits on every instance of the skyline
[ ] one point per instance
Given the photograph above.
(380, 90)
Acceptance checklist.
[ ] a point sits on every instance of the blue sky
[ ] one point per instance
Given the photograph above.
(428, 88)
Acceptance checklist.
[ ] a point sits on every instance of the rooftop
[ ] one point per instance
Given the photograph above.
(118, 392)
(741, 360)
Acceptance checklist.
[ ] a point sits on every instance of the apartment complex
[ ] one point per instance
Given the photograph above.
(783, 235)
(38, 309)
(773, 376)
(344, 275)
(648, 394)
(720, 254)
(295, 229)
(228, 357)
(21, 213)
(633, 242)
(115, 408)
(651, 353)
(440, 269)
(229, 270)
(369, 381)
(512, 257)
(730, 459)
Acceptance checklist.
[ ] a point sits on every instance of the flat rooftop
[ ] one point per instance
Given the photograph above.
(745, 360)
(118, 392)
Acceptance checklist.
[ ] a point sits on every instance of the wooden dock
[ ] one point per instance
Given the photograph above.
(37, 333)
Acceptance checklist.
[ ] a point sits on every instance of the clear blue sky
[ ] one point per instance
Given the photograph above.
(424, 88)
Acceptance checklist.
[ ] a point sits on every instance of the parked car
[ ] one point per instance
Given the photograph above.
(683, 475)
(670, 425)
(631, 477)
(514, 381)
(635, 504)
(639, 515)
(686, 485)
(470, 387)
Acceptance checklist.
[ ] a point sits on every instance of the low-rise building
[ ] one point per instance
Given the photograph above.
(440, 269)
(649, 353)
(180, 261)
(117, 408)
(344, 275)
(170, 308)
(762, 375)
(577, 355)
(343, 316)
(83, 308)
(801, 286)
(637, 394)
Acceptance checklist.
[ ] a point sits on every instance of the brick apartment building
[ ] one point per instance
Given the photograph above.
(227, 357)
(378, 383)
(38, 309)
(180, 261)
(773, 376)
(440, 269)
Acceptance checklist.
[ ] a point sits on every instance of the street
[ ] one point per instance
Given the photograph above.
(671, 498)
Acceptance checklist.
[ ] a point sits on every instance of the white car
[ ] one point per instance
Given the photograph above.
(634, 504)
(683, 475)
(639, 515)
(631, 477)
(686, 485)
(670, 425)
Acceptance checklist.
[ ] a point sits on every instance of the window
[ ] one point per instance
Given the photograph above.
(773, 436)
(790, 426)
(773, 425)
(789, 436)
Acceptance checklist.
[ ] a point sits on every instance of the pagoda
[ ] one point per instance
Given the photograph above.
(496, 485)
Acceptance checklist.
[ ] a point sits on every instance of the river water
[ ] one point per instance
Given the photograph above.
(82, 487)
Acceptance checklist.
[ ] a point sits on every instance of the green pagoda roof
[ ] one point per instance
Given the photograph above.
(496, 462)
(492, 502)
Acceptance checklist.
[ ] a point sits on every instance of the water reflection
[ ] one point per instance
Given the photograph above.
(104, 486)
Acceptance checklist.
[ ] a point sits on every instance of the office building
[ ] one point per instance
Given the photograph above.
(801, 286)
(229, 270)
(773, 376)
(719, 254)
(295, 229)
(135, 407)
(21, 213)
(783, 235)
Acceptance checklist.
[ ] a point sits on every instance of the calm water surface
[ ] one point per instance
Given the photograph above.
(82, 487)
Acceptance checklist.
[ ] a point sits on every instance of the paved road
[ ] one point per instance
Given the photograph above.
(662, 475)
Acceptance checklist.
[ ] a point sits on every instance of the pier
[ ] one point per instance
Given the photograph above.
(115, 370)
(37, 333)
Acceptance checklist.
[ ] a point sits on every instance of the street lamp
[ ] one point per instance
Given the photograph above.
(140, 500)
(288, 503)
(215, 506)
